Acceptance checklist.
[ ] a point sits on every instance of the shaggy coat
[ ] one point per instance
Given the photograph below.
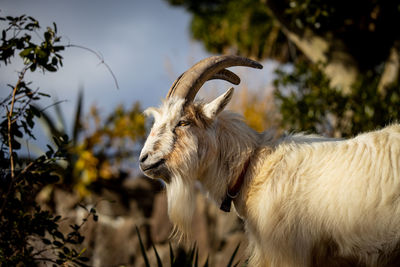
(305, 200)
(315, 202)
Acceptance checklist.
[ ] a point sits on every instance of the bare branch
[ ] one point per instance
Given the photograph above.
(9, 135)
(100, 57)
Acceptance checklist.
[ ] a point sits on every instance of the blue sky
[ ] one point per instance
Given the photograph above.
(146, 43)
(137, 39)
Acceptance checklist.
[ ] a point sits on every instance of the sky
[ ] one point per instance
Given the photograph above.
(146, 43)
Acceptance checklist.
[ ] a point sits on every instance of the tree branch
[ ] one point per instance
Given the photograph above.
(9, 136)
(100, 57)
(338, 64)
(391, 71)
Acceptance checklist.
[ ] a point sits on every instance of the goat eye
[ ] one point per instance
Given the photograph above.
(183, 123)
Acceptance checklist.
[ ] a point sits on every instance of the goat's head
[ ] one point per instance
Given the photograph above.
(177, 141)
(183, 139)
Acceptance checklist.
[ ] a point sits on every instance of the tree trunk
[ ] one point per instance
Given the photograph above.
(337, 63)
(391, 71)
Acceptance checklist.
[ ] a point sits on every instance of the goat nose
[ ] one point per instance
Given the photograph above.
(143, 158)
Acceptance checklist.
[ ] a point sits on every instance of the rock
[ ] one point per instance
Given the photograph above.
(161, 226)
(142, 203)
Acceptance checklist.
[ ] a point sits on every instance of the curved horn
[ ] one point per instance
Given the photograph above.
(188, 84)
(226, 75)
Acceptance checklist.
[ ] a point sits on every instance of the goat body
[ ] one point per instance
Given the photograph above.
(305, 200)
(316, 202)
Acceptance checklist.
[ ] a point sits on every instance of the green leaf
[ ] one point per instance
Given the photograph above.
(78, 120)
(40, 53)
(46, 241)
(196, 258)
(159, 263)
(206, 263)
(16, 145)
(85, 259)
(146, 260)
(55, 27)
(43, 94)
(17, 133)
(54, 61)
(171, 254)
(66, 250)
(59, 235)
(26, 52)
(50, 68)
(233, 256)
(47, 36)
(33, 67)
(75, 227)
(57, 48)
(51, 150)
(57, 243)
(193, 252)
(60, 261)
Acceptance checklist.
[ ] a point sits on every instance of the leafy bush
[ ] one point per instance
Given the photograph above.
(308, 103)
(28, 234)
(100, 147)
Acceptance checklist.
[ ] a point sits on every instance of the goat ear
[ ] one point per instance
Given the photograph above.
(212, 109)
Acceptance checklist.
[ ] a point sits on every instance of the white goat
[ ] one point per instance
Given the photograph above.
(305, 200)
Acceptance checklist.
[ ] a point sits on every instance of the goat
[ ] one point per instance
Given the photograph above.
(305, 200)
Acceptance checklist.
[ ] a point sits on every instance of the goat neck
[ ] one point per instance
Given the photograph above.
(233, 189)
(236, 143)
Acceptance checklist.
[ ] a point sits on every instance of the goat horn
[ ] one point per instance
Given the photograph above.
(188, 84)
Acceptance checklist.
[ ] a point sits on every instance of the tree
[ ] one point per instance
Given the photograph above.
(308, 103)
(345, 43)
(30, 235)
(348, 38)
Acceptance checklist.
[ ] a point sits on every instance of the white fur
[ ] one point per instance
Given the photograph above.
(165, 120)
(300, 193)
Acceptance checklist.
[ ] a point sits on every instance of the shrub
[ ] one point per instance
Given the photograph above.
(28, 234)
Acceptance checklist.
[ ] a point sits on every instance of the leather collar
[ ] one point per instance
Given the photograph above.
(233, 190)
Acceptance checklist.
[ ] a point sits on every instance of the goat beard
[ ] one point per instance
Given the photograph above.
(181, 206)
